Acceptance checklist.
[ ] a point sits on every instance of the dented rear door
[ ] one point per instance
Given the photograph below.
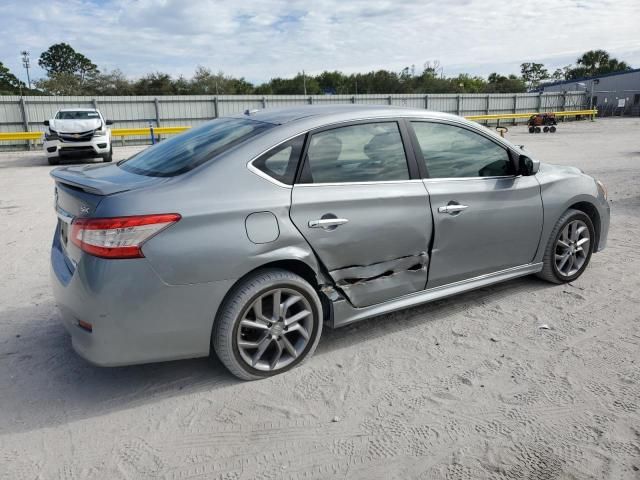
(372, 234)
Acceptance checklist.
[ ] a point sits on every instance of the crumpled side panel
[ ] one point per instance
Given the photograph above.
(370, 284)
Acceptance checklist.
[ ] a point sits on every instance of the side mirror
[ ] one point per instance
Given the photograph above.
(109, 122)
(527, 166)
(46, 122)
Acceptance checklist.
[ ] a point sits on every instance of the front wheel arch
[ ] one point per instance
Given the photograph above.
(592, 212)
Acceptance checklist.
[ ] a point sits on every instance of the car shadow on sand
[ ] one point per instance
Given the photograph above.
(45, 383)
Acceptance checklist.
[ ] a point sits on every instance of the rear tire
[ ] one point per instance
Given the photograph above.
(569, 248)
(532, 129)
(552, 129)
(253, 339)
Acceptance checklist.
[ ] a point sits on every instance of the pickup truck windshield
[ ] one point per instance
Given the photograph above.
(79, 115)
(186, 151)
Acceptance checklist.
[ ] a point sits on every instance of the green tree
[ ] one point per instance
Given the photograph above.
(533, 73)
(61, 58)
(108, 83)
(208, 83)
(157, 83)
(500, 84)
(596, 62)
(60, 84)
(9, 83)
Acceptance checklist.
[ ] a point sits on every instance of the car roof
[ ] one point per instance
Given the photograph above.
(79, 109)
(281, 116)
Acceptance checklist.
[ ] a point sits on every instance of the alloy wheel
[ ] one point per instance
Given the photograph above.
(572, 248)
(275, 329)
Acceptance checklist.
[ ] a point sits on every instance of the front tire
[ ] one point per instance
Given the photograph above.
(569, 248)
(53, 160)
(270, 323)
(108, 157)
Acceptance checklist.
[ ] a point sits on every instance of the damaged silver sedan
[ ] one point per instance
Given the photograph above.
(245, 236)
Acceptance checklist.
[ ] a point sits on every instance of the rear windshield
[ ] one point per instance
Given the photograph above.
(79, 115)
(186, 151)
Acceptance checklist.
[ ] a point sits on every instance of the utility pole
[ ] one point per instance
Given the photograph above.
(26, 64)
(304, 83)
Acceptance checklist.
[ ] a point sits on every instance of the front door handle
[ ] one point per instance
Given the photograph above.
(328, 223)
(452, 209)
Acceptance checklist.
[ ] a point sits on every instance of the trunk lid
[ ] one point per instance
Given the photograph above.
(102, 179)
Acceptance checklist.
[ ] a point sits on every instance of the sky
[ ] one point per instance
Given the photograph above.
(259, 40)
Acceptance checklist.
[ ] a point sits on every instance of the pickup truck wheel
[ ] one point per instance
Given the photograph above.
(107, 157)
(270, 323)
(569, 248)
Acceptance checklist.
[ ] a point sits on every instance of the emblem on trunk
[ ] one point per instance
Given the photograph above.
(84, 210)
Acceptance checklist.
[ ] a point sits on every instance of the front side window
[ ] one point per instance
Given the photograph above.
(454, 152)
(186, 151)
(357, 153)
(281, 162)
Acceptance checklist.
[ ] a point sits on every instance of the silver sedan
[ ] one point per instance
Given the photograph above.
(248, 234)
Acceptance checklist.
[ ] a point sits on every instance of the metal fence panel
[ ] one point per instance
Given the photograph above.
(191, 110)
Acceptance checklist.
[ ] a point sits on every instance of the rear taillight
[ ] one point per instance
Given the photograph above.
(118, 237)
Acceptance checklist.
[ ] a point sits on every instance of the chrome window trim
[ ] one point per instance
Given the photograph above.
(376, 182)
(411, 118)
(457, 179)
(253, 169)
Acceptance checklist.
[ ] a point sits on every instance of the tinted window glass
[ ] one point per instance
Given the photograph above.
(358, 153)
(79, 115)
(451, 151)
(281, 162)
(186, 151)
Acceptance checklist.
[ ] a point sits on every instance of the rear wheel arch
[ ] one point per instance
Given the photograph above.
(296, 266)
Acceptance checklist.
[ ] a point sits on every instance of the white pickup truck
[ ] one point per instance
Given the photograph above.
(77, 132)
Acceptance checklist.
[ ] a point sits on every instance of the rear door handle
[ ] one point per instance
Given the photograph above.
(452, 209)
(327, 222)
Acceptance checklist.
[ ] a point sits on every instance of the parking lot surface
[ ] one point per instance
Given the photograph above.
(464, 388)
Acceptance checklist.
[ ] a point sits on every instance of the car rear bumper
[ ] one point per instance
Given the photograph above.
(135, 317)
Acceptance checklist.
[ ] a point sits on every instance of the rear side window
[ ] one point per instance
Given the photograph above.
(454, 152)
(281, 162)
(357, 153)
(186, 151)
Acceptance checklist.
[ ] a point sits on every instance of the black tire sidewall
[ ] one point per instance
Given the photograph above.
(574, 216)
(295, 283)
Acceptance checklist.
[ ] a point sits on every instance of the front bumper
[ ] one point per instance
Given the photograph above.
(95, 147)
(135, 317)
(604, 211)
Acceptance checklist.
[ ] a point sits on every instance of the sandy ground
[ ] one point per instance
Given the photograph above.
(465, 388)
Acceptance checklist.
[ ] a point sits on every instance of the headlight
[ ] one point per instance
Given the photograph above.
(99, 133)
(602, 189)
(51, 134)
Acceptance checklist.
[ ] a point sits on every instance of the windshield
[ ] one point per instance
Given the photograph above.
(77, 115)
(186, 151)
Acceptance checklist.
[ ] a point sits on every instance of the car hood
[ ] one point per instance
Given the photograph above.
(549, 168)
(75, 126)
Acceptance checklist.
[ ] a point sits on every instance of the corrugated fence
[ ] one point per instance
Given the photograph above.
(22, 114)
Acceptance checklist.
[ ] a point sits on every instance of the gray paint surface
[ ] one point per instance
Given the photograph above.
(375, 263)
